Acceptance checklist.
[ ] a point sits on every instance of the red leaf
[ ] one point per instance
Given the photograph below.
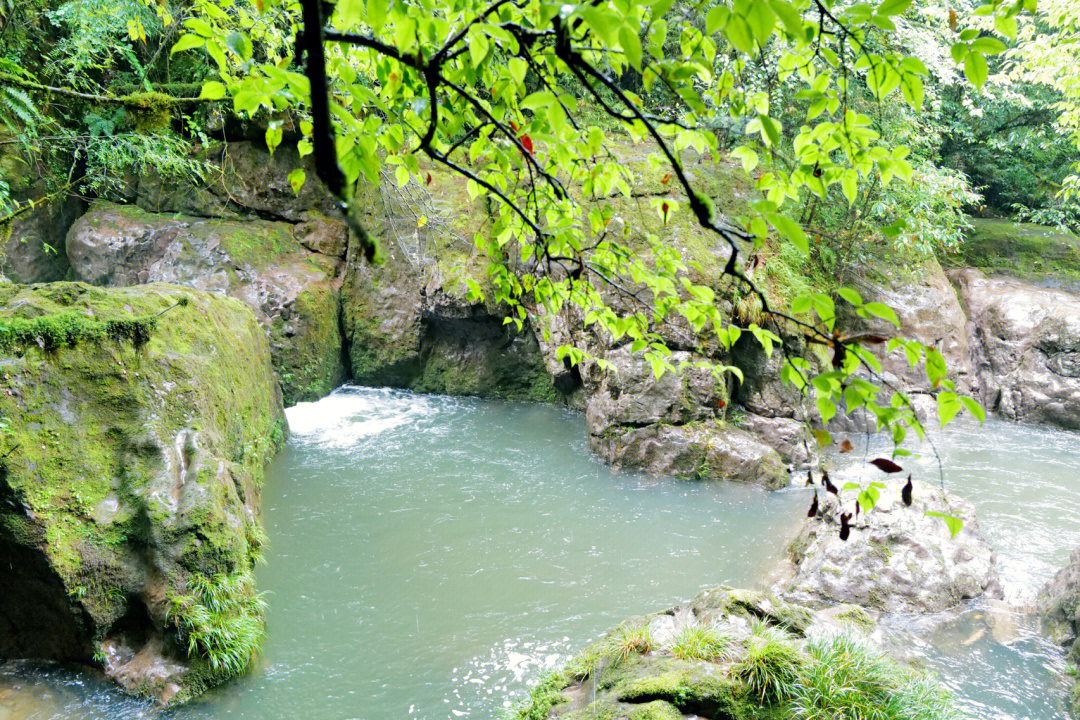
(428, 179)
(526, 142)
(846, 446)
(886, 466)
(664, 180)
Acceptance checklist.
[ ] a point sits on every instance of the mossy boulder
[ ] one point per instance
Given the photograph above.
(130, 471)
(293, 291)
(1038, 254)
(765, 658)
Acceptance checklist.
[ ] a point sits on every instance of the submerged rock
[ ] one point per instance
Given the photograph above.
(896, 559)
(736, 655)
(293, 290)
(129, 482)
(1027, 348)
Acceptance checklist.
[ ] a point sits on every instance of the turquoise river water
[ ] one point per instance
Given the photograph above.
(431, 556)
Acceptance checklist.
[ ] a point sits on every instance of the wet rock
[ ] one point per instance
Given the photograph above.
(897, 559)
(1027, 345)
(929, 312)
(788, 437)
(1058, 605)
(702, 451)
(293, 290)
(128, 473)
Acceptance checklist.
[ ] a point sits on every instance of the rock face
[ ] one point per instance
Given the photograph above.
(715, 657)
(1027, 348)
(31, 245)
(408, 323)
(130, 477)
(1058, 603)
(897, 559)
(929, 312)
(293, 291)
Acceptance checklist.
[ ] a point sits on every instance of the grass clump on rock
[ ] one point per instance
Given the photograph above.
(629, 640)
(845, 678)
(221, 619)
(773, 665)
(698, 642)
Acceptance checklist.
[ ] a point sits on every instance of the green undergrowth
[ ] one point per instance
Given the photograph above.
(220, 618)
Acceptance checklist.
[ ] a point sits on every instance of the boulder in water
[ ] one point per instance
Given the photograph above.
(896, 558)
(293, 291)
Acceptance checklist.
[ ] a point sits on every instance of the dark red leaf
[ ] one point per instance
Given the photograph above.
(886, 466)
(813, 506)
(846, 446)
(829, 487)
(845, 529)
(905, 493)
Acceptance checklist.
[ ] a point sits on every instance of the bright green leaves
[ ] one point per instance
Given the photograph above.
(631, 45)
(975, 68)
(212, 90)
(790, 230)
(893, 7)
(954, 524)
(187, 42)
(296, 179)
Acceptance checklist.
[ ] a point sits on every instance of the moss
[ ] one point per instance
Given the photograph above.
(881, 551)
(151, 111)
(174, 435)
(656, 710)
(1031, 252)
(543, 698)
(856, 617)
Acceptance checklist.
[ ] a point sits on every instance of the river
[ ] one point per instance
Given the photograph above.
(430, 556)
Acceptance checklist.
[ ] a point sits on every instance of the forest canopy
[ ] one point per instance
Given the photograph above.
(866, 130)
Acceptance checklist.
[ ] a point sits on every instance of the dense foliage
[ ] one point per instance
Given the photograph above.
(866, 129)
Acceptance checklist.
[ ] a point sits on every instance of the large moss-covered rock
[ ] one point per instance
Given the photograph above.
(293, 290)
(734, 655)
(130, 475)
(1027, 348)
(1058, 605)
(896, 558)
(1041, 255)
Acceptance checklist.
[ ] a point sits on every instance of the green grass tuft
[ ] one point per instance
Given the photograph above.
(773, 666)
(221, 619)
(698, 642)
(628, 640)
(848, 679)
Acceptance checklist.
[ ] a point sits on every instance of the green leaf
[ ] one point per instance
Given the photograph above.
(631, 45)
(882, 311)
(974, 408)
(976, 69)
(517, 68)
(851, 296)
(537, 100)
(789, 16)
(478, 48)
(186, 42)
(893, 7)
(790, 230)
(296, 179)
(716, 19)
(376, 14)
(212, 90)
(1006, 26)
(954, 524)
(988, 46)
